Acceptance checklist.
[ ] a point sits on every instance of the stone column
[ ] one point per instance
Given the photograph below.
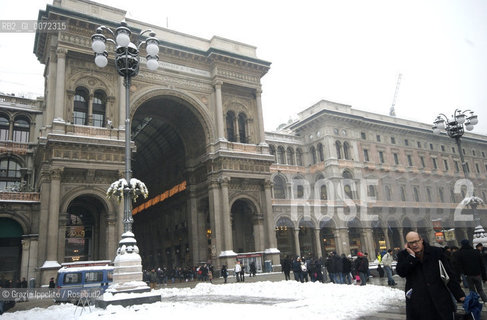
(271, 241)
(53, 226)
(344, 240)
(369, 243)
(45, 188)
(219, 110)
(296, 241)
(319, 251)
(258, 227)
(193, 225)
(226, 223)
(386, 237)
(61, 246)
(60, 83)
(90, 110)
(260, 117)
(401, 236)
(51, 87)
(215, 219)
(111, 236)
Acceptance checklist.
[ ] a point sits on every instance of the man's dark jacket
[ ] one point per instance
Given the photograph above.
(430, 298)
(470, 262)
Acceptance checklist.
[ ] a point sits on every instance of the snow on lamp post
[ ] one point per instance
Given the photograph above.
(455, 128)
(128, 268)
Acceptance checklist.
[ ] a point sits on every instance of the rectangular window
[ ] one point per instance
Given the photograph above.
(93, 276)
(463, 150)
(396, 158)
(366, 155)
(431, 146)
(435, 165)
(483, 154)
(363, 135)
(445, 163)
(393, 140)
(457, 167)
(473, 153)
(419, 144)
(403, 193)
(406, 142)
(422, 162)
(453, 149)
(467, 166)
(410, 160)
(72, 278)
(428, 193)
(477, 167)
(443, 148)
(440, 193)
(378, 138)
(381, 157)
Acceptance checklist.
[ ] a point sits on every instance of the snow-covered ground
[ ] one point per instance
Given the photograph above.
(262, 300)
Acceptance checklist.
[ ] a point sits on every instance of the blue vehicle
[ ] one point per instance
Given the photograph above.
(76, 279)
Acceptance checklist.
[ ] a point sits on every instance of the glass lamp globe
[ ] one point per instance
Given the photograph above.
(152, 64)
(98, 45)
(440, 123)
(123, 39)
(101, 60)
(152, 49)
(436, 130)
(468, 126)
(473, 119)
(460, 118)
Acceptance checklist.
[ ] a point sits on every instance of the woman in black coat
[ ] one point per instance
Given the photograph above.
(427, 297)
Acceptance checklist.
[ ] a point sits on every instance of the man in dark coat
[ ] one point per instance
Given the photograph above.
(472, 266)
(427, 297)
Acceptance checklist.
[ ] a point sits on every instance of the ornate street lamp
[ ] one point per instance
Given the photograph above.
(127, 62)
(455, 128)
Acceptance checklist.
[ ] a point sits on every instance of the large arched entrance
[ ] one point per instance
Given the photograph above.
(85, 234)
(243, 216)
(10, 250)
(171, 224)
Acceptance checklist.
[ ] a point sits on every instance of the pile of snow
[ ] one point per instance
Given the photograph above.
(276, 300)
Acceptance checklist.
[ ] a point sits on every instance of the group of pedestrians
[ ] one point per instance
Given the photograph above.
(162, 276)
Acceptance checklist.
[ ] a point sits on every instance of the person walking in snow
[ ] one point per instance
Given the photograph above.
(387, 262)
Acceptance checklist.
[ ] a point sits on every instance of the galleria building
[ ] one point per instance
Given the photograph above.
(336, 179)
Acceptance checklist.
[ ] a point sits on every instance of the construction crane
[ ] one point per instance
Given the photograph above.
(392, 111)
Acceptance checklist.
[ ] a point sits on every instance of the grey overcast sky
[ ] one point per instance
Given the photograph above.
(346, 51)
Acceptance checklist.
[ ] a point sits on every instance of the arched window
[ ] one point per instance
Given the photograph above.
(347, 184)
(81, 98)
(338, 146)
(320, 152)
(290, 156)
(346, 150)
(371, 191)
(272, 151)
(279, 188)
(21, 130)
(403, 193)
(242, 124)
(299, 157)
(231, 126)
(99, 108)
(312, 150)
(388, 193)
(9, 174)
(4, 128)
(281, 156)
(416, 194)
(323, 192)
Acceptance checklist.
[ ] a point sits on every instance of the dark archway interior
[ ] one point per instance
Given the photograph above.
(170, 140)
(242, 226)
(85, 229)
